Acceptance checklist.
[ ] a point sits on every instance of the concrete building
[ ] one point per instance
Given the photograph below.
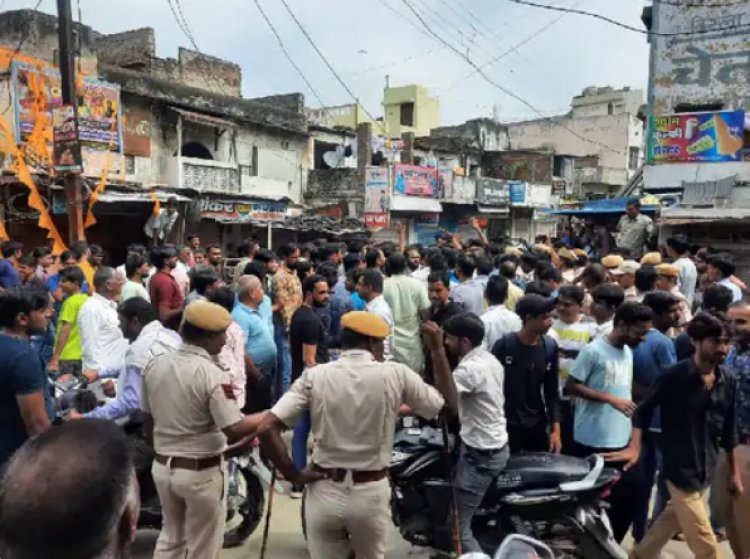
(181, 126)
(407, 109)
(603, 123)
(699, 132)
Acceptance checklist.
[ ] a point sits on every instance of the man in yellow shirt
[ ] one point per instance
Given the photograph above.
(67, 354)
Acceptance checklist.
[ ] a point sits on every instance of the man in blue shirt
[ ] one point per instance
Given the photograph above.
(734, 508)
(254, 315)
(601, 378)
(12, 253)
(24, 391)
(649, 360)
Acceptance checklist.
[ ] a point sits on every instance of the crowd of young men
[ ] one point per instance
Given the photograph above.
(645, 361)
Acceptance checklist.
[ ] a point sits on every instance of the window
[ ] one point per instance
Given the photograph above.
(407, 114)
(634, 156)
(610, 108)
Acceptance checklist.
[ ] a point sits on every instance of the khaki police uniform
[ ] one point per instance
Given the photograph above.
(353, 404)
(190, 399)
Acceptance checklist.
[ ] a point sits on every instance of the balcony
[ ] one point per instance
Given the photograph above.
(204, 175)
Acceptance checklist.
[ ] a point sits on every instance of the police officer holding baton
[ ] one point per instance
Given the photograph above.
(354, 404)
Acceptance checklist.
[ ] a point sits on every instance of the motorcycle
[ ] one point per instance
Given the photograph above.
(553, 498)
(247, 474)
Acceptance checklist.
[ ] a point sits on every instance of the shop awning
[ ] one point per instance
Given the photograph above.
(206, 120)
(415, 204)
(605, 206)
(112, 196)
(497, 211)
(682, 216)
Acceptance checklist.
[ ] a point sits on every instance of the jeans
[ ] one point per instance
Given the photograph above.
(283, 360)
(474, 473)
(299, 441)
(646, 469)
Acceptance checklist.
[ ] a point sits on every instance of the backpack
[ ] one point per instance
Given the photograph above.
(509, 344)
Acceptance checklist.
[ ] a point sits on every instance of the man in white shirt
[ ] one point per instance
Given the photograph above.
(677, 248)
(721, 268)
(136, 268)
(102, 342)
(370, 288)
(497, 319)
(484, 451)
(606, 299)
(140, 325)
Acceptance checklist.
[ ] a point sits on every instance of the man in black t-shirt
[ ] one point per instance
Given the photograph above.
(442, 308)
(308, 341)
(531, 386)
(23, 383)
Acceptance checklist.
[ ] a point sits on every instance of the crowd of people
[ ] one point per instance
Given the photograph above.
(643, 357)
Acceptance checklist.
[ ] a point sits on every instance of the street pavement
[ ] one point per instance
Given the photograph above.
(286, 542)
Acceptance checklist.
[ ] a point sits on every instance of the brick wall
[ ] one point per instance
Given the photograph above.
(130, 49)
(326, 187)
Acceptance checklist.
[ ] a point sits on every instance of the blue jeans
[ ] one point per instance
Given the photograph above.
(475, 471)
(283, 360)
(299, 441)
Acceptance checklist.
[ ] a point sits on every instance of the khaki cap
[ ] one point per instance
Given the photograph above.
(207, 316)
(651, 259)
(365, 323)
(513, 251)
(542, 248)
(627, 267)
(668, 270)
(580, 252)
(567, 254)
(612, 261)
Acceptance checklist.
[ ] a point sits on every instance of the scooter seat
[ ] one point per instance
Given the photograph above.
(541, 469)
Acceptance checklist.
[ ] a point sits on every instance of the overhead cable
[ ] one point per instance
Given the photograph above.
(286, 53)
(619, 23)
(328, 64)
(505, 90)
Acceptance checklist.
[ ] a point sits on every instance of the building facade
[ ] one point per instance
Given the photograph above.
(698, 156)
(178, 125)
(603, 123)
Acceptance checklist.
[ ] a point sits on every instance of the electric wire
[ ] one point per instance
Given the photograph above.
(286, 53)
(505, 90)
(619, 23)
(328, 64)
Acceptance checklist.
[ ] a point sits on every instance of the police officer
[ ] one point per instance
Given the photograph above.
(190, 412)
(353, 403)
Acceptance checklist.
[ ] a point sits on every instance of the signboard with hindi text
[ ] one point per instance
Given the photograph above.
(696, 137)
(413, 180)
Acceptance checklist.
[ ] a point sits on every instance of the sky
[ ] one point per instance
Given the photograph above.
(367, 40)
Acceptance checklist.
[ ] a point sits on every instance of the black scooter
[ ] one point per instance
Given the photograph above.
(553, 498)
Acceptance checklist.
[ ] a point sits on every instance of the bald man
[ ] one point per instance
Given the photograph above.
(254, 315)
(92, 514)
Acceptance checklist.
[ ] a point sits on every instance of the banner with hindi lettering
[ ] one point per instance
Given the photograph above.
(696, 137)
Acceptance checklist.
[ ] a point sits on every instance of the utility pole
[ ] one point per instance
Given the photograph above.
(73, 198)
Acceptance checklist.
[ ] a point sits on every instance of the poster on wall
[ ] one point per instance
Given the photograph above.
(136, 132)
(66, 153)
(445, 188)
(696, 137)
(517, 192)
(98, 104)
(377, 220)
(492, 191)
(377, 199)
(415, 181)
